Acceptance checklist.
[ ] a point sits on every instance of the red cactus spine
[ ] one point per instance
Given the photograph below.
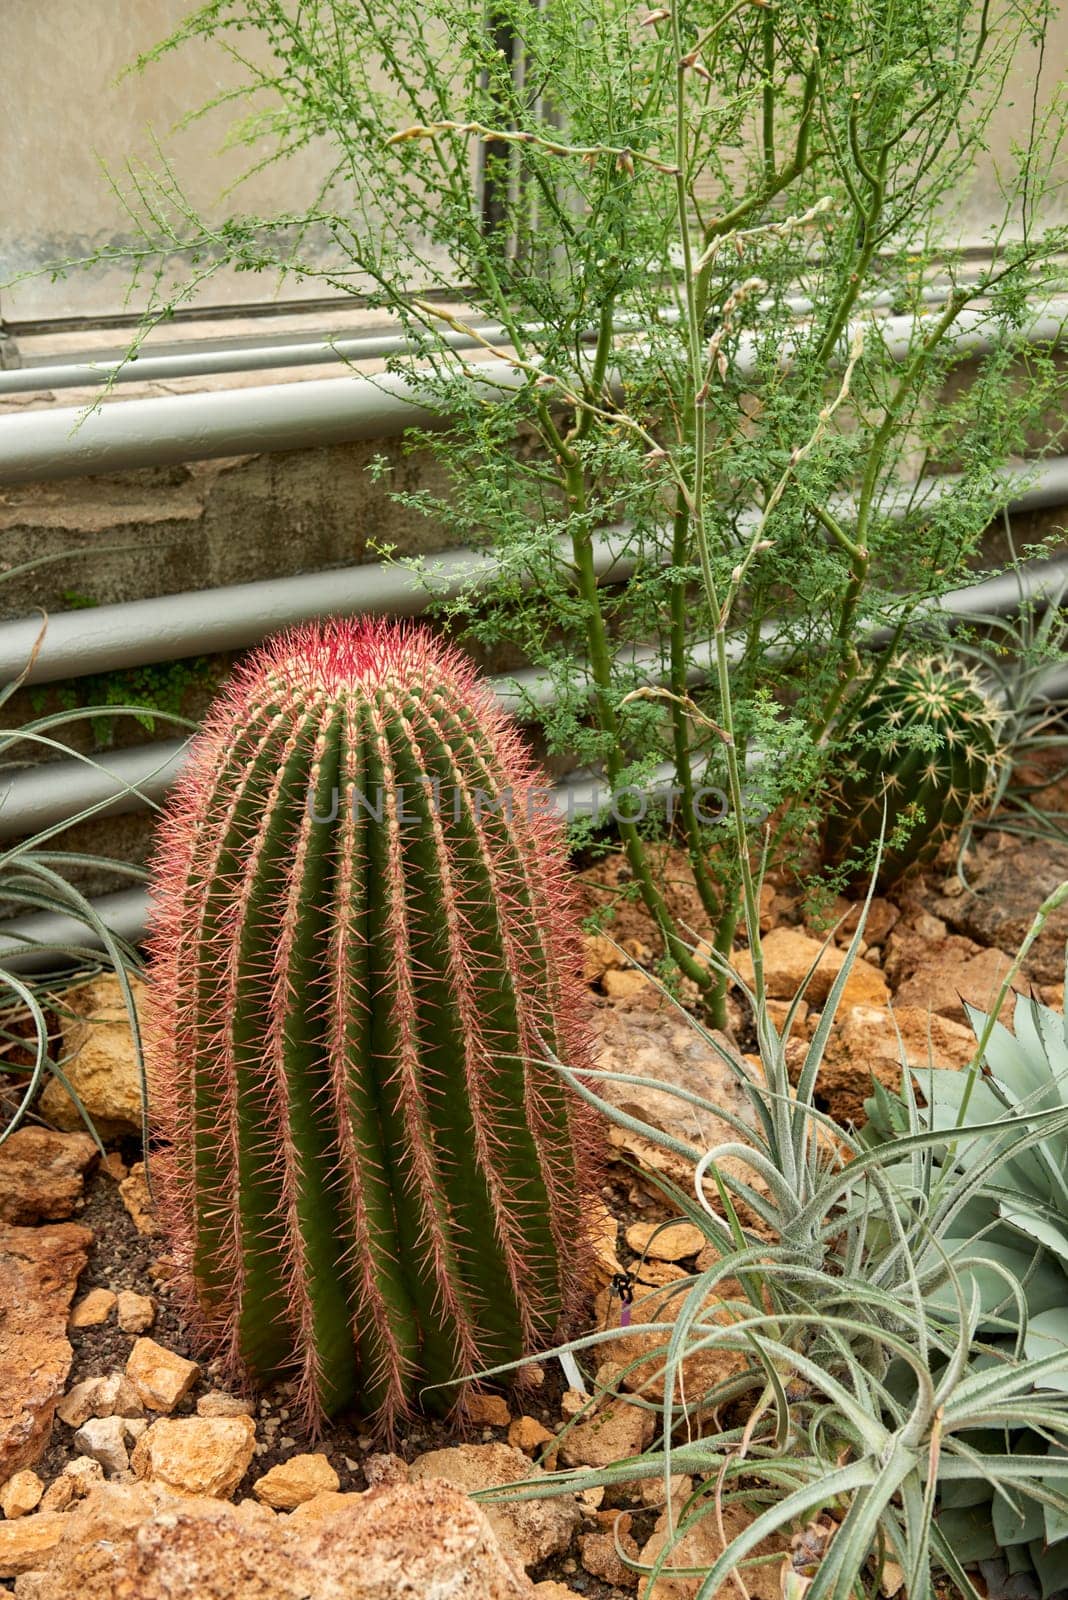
(363, 944)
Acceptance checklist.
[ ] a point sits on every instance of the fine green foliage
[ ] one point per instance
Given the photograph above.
(361, 930)
(923, 751)
(158, 690)
(712, 279)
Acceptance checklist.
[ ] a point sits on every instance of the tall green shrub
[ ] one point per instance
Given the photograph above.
(714, 254)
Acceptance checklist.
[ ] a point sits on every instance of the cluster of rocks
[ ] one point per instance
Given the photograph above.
(938, 946)
(148, 1502)
(170, 1487)
(162, 1493)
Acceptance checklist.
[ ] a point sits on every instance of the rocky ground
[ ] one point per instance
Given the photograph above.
(125, 1470)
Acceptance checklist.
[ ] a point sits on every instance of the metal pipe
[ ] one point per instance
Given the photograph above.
(68, 441)
(54, 791)
(194, 360)
(126, 912)
(193, 363)
(579, 793)
(200, 621)
(133, 779)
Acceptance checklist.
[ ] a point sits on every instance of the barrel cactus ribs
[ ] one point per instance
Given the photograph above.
(364, 952)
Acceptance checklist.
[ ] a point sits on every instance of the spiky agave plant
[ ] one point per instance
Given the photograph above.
(363, 956)
(1015, 1231)
(924, 745)
(835, 1359)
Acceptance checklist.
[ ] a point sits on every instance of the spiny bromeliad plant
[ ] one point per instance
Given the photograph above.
(924, 750)
(362, 951)
(878, 1377)
(1020, 1218)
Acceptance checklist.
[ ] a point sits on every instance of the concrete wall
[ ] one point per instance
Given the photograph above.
(67, 115)
(201, 525)
(74, 119)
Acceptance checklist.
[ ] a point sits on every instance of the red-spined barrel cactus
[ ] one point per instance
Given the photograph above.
(363, 949)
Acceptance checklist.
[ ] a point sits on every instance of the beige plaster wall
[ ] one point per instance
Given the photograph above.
(65, 116)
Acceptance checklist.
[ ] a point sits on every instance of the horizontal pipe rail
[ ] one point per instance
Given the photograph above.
(150, 368)
(202, 621)
(68, 441)
(125, 913)
(196, 622)
(54, 792)
(115, 784)
(26, 942)
(195, 360)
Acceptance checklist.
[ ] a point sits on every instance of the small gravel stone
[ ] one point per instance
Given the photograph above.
(76, 1480)
(93, 1309)
(652, 1490)
(79, 1402)
(41, 1174)
(20, 1494)
(135, 1312)
(104, 1440)
(599, 1557)
(160, 1377)
(383, 1469)
(488, 1410)
(112, 1395)
(673, 1242)
(614, 1434)
(322, 1506)
(138, 1202)
(217, 1403)
(28, 1542)
(528, 1434)
(531, 1530)
(292, 1482)
(196, 1455)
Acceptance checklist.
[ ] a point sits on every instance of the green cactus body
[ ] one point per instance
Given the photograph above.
(363, 952)
(925, 745)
